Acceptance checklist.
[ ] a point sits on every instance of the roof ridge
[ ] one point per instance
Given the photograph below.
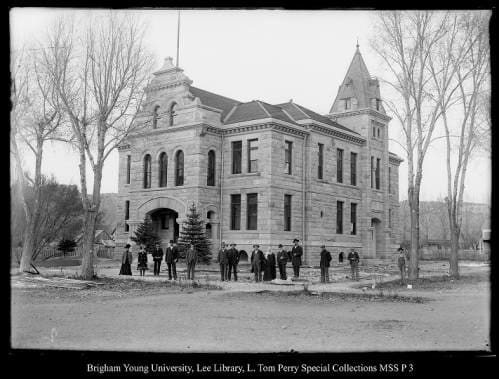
(261, 106)
(232, 110)
(213, 93)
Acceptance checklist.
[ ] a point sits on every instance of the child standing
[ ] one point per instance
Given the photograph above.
(142, 258)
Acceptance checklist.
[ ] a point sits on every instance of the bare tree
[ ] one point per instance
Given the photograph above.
(460, 75)
(99, 71)
(405, 41)
(35, 120)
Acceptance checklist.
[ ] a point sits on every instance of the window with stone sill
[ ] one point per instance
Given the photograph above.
(253, 155)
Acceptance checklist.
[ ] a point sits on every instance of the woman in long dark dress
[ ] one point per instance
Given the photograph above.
(126, 261)
(142, 260)
(269, 269)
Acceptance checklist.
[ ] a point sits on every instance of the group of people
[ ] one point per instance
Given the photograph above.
(263, 265)
(171, 257)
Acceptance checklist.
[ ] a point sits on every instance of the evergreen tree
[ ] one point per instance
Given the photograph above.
(66, 246)
(193, 231)
(146, 235)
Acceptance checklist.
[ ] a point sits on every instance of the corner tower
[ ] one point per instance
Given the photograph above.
(358, 106)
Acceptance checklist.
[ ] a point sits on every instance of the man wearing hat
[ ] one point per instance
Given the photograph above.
(233, 256)
(325, 259)
(171, 257)
(257, 259)
(353, 257)
(223, 261)
(157, 257)
(296, 253)
(282, 259)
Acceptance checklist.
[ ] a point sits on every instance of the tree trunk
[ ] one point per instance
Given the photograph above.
(28, 248)
(414, 254)
(454, 249)
(87, 264)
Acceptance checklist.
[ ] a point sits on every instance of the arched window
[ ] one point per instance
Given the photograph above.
(155, 113)
(163, 169)
(147, 171)
(211, 168)
(179, 168)
(172, 114)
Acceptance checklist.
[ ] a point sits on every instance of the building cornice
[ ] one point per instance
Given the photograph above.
(335, 133)
(394, 158)
(356, 112)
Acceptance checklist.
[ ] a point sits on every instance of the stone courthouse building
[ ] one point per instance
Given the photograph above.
(264, 173)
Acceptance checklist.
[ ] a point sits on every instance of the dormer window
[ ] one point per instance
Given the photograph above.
(172, 114)
(347, 103)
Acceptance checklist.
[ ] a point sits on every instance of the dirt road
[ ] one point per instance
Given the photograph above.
(455, 318)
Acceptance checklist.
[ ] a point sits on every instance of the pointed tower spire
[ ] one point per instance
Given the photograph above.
(358, 90)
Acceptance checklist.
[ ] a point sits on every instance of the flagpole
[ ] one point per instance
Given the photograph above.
(178, 34)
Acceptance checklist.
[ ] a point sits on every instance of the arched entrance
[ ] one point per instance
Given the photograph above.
(376, 238)
(165, 223)
(243, 256)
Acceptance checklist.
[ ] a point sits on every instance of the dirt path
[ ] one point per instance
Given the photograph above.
(456, 318)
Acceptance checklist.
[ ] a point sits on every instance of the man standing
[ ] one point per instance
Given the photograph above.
(171, 258)
(157, 257)
(325, 259)
(353, 257)
(282, 259)
(401, 264)
(223, 261)
(296, 253)
(257, 259)
(233, 261)
(191, 258)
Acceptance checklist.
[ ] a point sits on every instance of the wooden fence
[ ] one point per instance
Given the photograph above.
(52, 252)
(443, 254)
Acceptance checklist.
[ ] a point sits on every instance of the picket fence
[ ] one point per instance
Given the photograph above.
(52, 252)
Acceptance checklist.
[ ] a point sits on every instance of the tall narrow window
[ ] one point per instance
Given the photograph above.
(147, 171)
(353, 218)
(165, 220)
(353, 169)
(347, 103)
(339, 217)
(127, 215)
(252, 155)
(287, 213)
(179, 168)
(235, 212)
(172, 113)
(252, 211)
(211, 169)
(163, 169)
(378, 104)
(237, 150)
(320, 167)
(288, 153)
(155, 114)
(390, 218)
(128, 168)
(378, 161)
(379, 131)
(374, 131)
(389, 180)
(372, 172)
(339, 165)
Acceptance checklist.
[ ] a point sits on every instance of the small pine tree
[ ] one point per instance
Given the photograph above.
(66, 246)
(146, 235)
(193, 231)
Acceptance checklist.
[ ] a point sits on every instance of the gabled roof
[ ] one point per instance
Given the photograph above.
(256, 110)
(299, 112)
(358, 84)
(213, 100)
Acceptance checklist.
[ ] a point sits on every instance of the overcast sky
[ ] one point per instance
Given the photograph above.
(270, 55)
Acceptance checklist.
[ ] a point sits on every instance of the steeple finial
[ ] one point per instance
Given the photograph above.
(178, 35)
(357, 43)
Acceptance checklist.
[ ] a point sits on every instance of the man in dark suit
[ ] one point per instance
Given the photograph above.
(257, 260)
(233, 256)
(223, 261)
(325, 261)
(157, 257)
(353, 257)
(282, 260)
(296, 253)
(171, 259)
